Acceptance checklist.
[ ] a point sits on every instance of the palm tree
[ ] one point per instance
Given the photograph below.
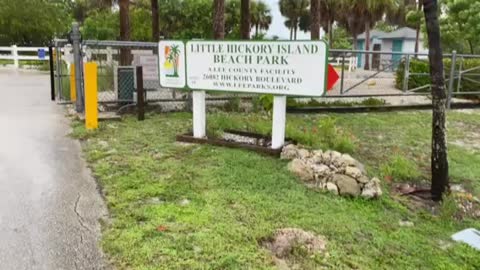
(351, 19)
(173, 58)
(371, 11)
(218, 19)
(328, 14)
(293, 10)
(260, 16)
(413, 18)
(315, 16)
(439, 161)
(124, 31)
(155, 18)
(245, 19)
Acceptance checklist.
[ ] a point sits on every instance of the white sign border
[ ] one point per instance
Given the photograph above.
(327, 51)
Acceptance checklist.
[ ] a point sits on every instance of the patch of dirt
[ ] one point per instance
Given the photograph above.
(470, 137)
(416, 197)
(283, 243)
(469, 111)
(471, 143)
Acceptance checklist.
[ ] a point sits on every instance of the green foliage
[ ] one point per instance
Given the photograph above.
(297, 14)
(178, 19)
(333, 137)
(384, 26)
(101, 25)
(261, 17)
(232, 105)
(141, 28)
(400, 168)
(422, 66)
(33, 22)
(449, 208)
(293, 103)
(341, 39)
(266, 102)
(373, 102)
(414, 81)
(459, 26)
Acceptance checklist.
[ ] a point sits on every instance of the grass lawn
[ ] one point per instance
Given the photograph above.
(176, 206)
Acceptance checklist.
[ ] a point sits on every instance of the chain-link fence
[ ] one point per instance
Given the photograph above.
(396, 77)
(116, 62)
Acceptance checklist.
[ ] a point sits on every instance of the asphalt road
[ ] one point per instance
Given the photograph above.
(49, 204)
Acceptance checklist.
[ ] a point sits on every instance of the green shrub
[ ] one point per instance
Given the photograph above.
(333, 137)
(267, 102)
(400, 168)
(416, 66)
(422, 66)
(232, 105)
(293, 103)
(373, 102)
(256, 104)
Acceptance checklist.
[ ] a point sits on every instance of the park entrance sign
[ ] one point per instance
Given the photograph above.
(281, 68)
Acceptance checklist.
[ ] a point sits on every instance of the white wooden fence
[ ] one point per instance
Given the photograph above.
(23, 53)
(26, 53)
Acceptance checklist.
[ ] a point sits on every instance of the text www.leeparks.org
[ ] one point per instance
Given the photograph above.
(259, 86)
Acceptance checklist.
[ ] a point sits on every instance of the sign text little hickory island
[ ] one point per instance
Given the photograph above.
(285, 68)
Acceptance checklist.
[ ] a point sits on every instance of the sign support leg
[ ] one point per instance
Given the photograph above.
(279, 119)
(199, 118)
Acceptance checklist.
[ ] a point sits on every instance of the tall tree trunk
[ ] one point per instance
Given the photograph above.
(472, 51)
(295, 28)
(218, 19)
(245, 19)
(155, 27)
(439, 160)
(417, 37)
(367, 46)
(315, 15)
(354, 41)
(330, 34)
(417, 29)
(256, 30)
(291, 32)
(125, 57)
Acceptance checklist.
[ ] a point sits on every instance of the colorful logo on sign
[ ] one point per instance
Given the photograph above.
(172, 61)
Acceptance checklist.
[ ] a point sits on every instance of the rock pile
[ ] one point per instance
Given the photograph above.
(330, 170)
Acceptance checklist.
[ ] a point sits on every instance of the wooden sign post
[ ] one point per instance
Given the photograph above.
(280, 68)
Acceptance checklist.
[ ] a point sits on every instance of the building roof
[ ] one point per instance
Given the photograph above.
(373, 34)
(401, 33)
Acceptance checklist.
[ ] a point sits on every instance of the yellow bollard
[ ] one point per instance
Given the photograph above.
(73, 91)
(91, 96)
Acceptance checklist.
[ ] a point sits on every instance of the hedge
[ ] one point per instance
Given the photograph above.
(422, 66)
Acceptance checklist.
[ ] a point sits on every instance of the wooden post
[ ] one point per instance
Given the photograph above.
(279, 119)
(199, 117)
(91, 96)
(16, 62)
(140, 94)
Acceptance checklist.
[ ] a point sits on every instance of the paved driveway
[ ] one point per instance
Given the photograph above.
(49, 204)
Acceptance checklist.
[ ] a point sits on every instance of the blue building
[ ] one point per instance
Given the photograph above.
(400, 40)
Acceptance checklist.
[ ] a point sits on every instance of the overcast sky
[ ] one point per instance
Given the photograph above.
(277, 28)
